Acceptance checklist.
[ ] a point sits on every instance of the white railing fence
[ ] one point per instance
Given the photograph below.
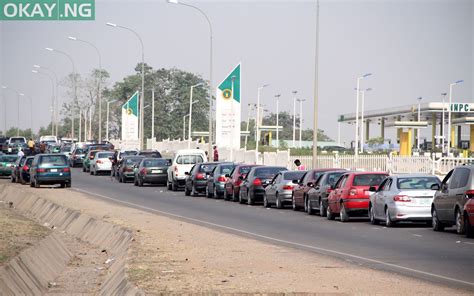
(383, 163)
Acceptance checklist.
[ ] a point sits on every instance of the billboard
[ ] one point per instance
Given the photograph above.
(130, 119)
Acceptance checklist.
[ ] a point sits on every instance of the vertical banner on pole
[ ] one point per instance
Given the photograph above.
(130, 119)
(228, 109)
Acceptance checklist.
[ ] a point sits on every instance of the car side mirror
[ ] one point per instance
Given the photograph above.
(310, 184)
(295, 181)
(372, 188)
(435, 187)
(227, 175)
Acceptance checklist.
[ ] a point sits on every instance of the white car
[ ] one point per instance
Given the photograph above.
(101, 162)
(49, 139)
(182, 162)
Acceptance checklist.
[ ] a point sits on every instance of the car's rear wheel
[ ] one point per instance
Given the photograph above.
(249, 199)
(186, 191)
(436, 224)
(329, 214)
(373, 220)
(309, 209)
(241, 200)
(37, 184)
(388, 220)
(68, 184)
(174, 186)
(293, 204)
(322, 209)
(63, 185)
(460, 229)
(216, 195)
(226, 195)
(193, 190)
(279, 204)
(265, 201)
(468, 227)
(344, 215)
(168, 185)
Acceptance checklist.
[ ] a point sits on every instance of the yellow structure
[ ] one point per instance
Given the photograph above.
(405, 142)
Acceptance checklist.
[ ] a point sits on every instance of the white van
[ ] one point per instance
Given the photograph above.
(49, 139)
(182, 162)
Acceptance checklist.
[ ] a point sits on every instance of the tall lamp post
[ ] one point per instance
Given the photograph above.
(277, 119)
(142, 98)
(419, 119)
(443, 135)
(18, 108)
(31, 113)
(74, 81)
(210, 65)
(99, 95)
(362, 126)
(107, 125)
(251, 106)
(191, 102)
(449, 113)
(56, 102)
(301, 119)
(257, 123)
(294, 117)
(52, 96)
(316, 91)
(4, 114)
(184, 126)
(356, 144)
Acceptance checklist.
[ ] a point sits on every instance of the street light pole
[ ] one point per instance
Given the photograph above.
(153, 113)
(419, 119)
(362, 126)
(356, 144)
(191, 112)
(277, 119)
(301, 119)
(443, 134)
(4, 114)
(74, 81)
(142, 98)
(316, 91)
(248, 123)
(52, 96)
(257, 138)
(55, 99)
(449, 113)
(99, 95)
(107, 127)
(210, 66)
(184, 126)
(18, 108)
(294, 117)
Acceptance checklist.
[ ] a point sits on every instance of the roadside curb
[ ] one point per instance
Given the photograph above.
(112, 238)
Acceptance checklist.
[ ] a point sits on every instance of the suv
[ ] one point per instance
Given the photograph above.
(15, 144)
(50, 169)
(182, 162)
(450, 198)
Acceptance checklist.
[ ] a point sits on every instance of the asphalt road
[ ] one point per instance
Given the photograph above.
(412, 250)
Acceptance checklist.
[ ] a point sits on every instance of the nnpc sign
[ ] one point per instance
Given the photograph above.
(47, 10)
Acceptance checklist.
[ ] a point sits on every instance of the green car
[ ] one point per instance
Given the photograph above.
(7, 163)
(86, 165)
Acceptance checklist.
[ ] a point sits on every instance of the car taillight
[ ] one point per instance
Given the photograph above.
(470, 194)
(401, 198)
(288, 187)
(176, 171)
(25, 168)
(128, 169)
(353, 191)
(221, 179)
(99, 161)
(66, 170)
(40, 170)
(257, 182)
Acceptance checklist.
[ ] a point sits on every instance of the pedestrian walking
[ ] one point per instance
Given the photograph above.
(299, 165)
(21, 153)
(216, 154)
(31, 146)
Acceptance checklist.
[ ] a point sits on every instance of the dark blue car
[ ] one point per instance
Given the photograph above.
(50, 169)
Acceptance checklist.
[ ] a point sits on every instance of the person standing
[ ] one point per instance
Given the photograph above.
(216, 154)
(21, 153)
(299, 165)
(31, 146)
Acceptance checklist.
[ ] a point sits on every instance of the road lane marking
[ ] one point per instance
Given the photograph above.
(417, 235)
(280, 240)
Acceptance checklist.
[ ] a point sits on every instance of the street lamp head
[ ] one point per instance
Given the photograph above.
(111, 25)
(366, 75)
(263, 86)
(72, 38)
(459, 81)
(196, 85)
(173, 1)
(113, 101)
(444, 94)
(49, 48)
(419, 98)
(34, 71)
(36, 66)
(368, 89)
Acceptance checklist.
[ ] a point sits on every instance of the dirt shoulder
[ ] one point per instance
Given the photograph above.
(171, 256)
(17, 233)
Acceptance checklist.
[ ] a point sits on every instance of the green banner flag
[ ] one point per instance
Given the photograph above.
(226, 85)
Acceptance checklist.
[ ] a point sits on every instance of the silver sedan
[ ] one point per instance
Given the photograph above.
(403, 198)
(280, 189)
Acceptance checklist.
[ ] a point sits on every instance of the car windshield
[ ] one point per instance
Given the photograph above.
(66, 149)
(53, 160)
(289, 176)
(333, 177)
(267, 172)
(368, 179)
(17, 140)
(133, 161)
(105, 155)
(130, 152)
(155, 162)
(154, 154)
(8, 158)
(244, 170)
(79, 151)
(417, 182)
(227, 169)
(207, 168)
(189, 159)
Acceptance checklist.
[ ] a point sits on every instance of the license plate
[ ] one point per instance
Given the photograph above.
(53, 170)
(156, 171)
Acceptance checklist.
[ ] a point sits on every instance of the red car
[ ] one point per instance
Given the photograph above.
(350, 196)
(232, 186)
(469, 215)
(300, 192)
